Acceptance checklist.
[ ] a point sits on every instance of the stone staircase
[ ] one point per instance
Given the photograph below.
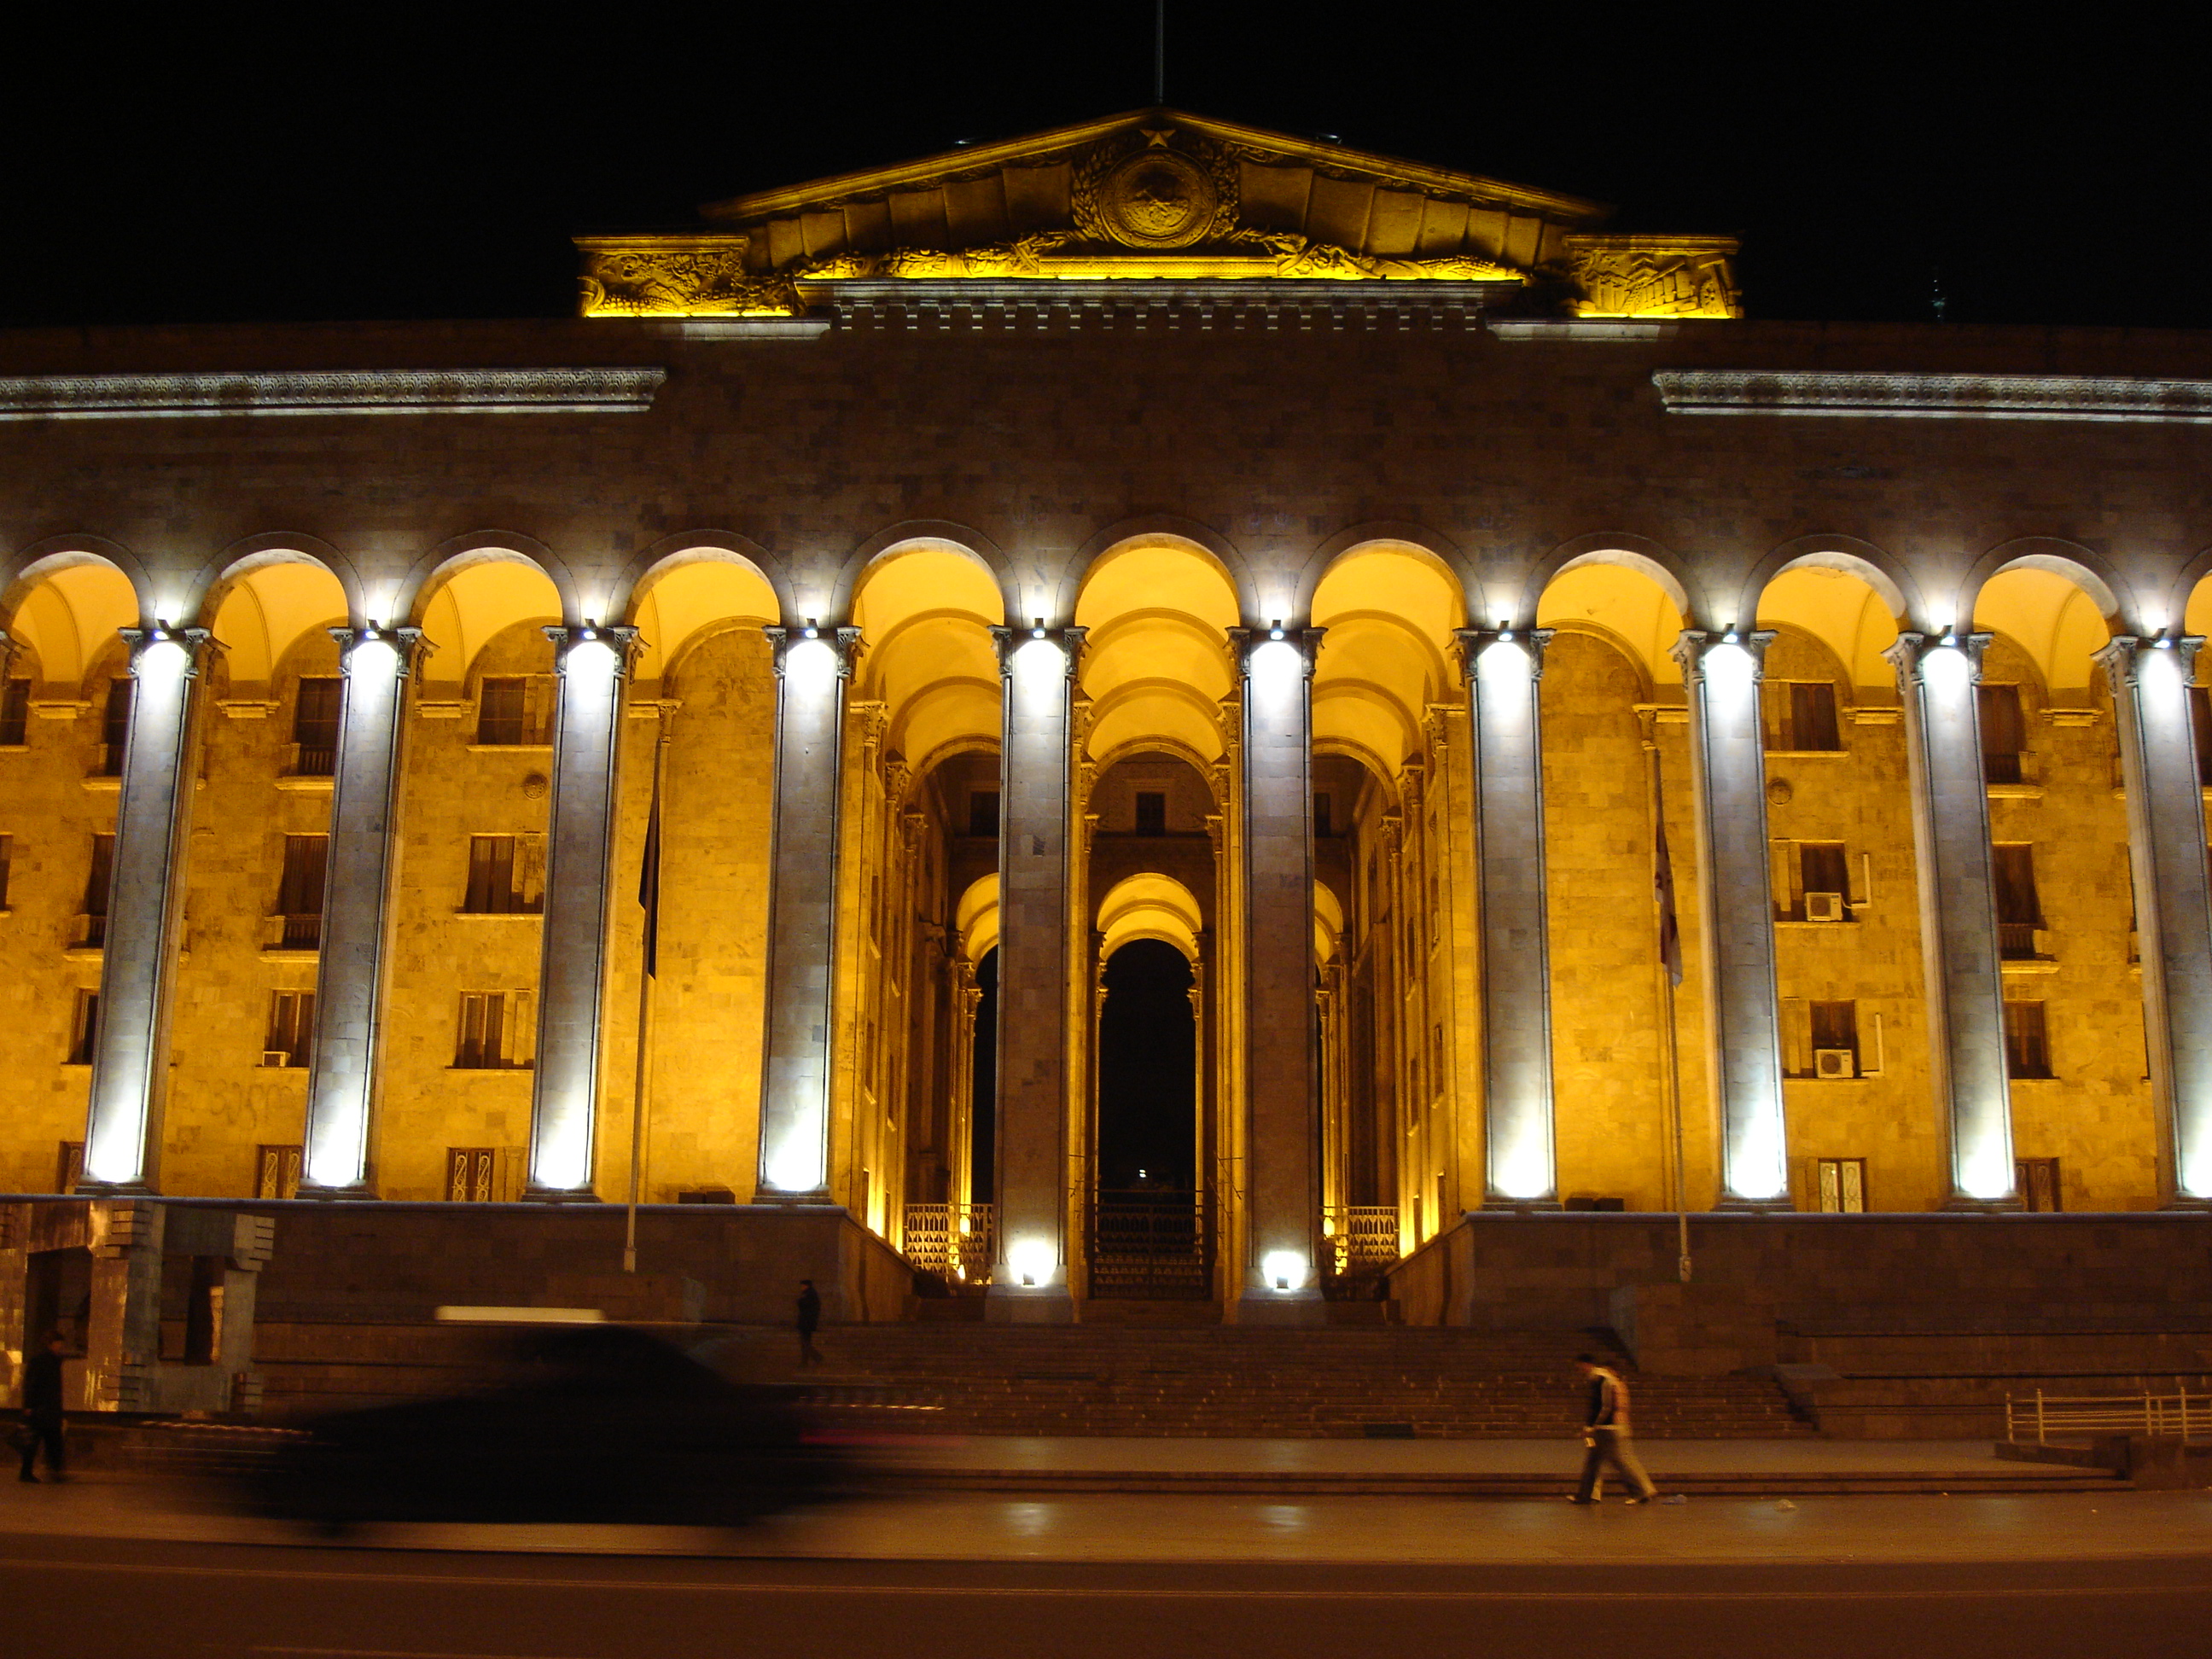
(1242, 1381)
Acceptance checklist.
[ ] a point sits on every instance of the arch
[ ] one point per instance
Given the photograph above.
(2055, 611)
(1413, 541)
(1149, 906)
(472, 597)
(1637, 553)
(213, 582)
(67, 607)
(1625, 649)
(1159, 711)
(925, 609)
(917, 535)
(672, 553)
(1328, 922)
(2183, 593)
(1154, 743)
(436, 570)
(24, 570)
(976, 916)
(1162, 530)
(689, 594)
(2090, 572)
(1624, 599)
(261, 603)
(1879, 570)
(1833, 604)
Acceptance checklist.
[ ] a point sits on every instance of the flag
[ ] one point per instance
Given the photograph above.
(1670, 932)
(648, 877)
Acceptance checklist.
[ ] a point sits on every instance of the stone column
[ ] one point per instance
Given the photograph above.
(1282, 1187)
(1727, 766)
(592, 665)
(1504, 671)
(1029, 1282)
(812, 665)
(2159, 764)
(1937, 680)
(350, 976)
(145, 914)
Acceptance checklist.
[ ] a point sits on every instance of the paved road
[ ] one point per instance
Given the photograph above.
(135, 1596)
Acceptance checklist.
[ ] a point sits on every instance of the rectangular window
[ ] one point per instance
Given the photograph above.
(84, 1028)
(1823, 873)
(2036, 1180)
(69, 1166)
(291, 1028)
(493, 1032)
(97, 879)
(2200, 726)
(1843, 1186)
(471, 1175)
(300, 893)
(1322, 807)
(14, 713)
(315, 726)
(1151, 812)
(2019, 912)
(983, 812)
(2005, 732)
(507, 876)
(2027, 1041)
(1800, 716)
(277, 1171)
(1835, 1035)
(115, 725)
(515, 709)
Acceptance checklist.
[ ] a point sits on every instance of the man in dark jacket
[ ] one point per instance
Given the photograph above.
(42, 1408)
(810, 1321)
(1605, 1432)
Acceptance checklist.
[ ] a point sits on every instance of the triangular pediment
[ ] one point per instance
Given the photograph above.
(1154, 194)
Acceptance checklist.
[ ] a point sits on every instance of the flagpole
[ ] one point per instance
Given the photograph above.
(1662, 899)
(649, 892)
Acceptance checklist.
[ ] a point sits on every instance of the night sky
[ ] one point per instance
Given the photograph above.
(222, 164)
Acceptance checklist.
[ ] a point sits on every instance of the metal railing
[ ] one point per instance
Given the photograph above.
(2180, 1416)
(1360, 1238)
(295, 932)
(955, 1241)
(2016, 941)
(314, 760)
(1151, 1244)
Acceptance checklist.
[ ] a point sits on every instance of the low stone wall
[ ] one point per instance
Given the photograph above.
(337, 1263)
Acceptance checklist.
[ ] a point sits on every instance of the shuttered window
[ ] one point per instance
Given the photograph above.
(507, 876)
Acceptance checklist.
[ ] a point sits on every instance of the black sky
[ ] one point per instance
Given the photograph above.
(230, 164)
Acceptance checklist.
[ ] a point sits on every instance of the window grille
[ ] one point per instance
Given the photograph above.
(2036, 1180)
(69, 1166)
(300, 892)
(14, 713)
(115, 725)
(91, 930)
(494, 1031)
(514, 710)
(472, 1175)
(277, 1171)
(291, 1036)
(315, 726)
(2027, 1042)
(1842, 1185)
(2005, 732)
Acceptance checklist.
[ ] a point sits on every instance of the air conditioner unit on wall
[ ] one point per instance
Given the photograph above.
(1835, 1063)
(1823, 907)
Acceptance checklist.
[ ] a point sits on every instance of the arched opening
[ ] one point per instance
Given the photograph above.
(1154, 685)
(921, 832)
(58, 769)
(2084, 1130)
(1392, 852)
(1615, 759)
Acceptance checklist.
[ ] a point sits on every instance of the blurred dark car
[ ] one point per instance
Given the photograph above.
(588, 1423)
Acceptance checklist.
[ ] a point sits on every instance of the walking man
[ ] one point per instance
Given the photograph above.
(42, 1408)
(810, 1321)
(1605, 1432)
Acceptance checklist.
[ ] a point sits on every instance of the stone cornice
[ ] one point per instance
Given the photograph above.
(326, 392)
(1933, 396)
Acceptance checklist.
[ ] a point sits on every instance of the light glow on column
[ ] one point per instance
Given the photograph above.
(1986, 1173)
(1756, 1171)
(1523, 1171)
(1284, 1270)
(795, 1165)
(1946, 669)
(1033, 1262)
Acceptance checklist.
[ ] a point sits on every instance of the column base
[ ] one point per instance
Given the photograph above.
(1960, 1204)
(113, 1190)
(1016, 1305)
(1494, 1205)
(359, 1193)
(777, 1198)
(558, 1195)
(2181, 1201)
(1281, 1308)
(1729, 1205)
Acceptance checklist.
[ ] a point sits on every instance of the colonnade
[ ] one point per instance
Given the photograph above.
(2150, 680)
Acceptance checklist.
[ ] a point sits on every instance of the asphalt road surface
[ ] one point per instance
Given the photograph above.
(60, 1595)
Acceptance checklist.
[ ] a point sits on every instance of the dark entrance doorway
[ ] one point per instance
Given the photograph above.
(1149, 1226)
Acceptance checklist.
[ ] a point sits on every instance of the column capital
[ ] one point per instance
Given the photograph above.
(1473, 641)
(192, 641)
(1068, 641)
(1909, 655)
(843, 645)
(620, 639)
(1243, 642)
(1694, 644)
(2121, 656)
(407, 646)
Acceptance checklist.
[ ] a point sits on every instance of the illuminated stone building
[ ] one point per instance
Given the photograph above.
(1155, 532)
